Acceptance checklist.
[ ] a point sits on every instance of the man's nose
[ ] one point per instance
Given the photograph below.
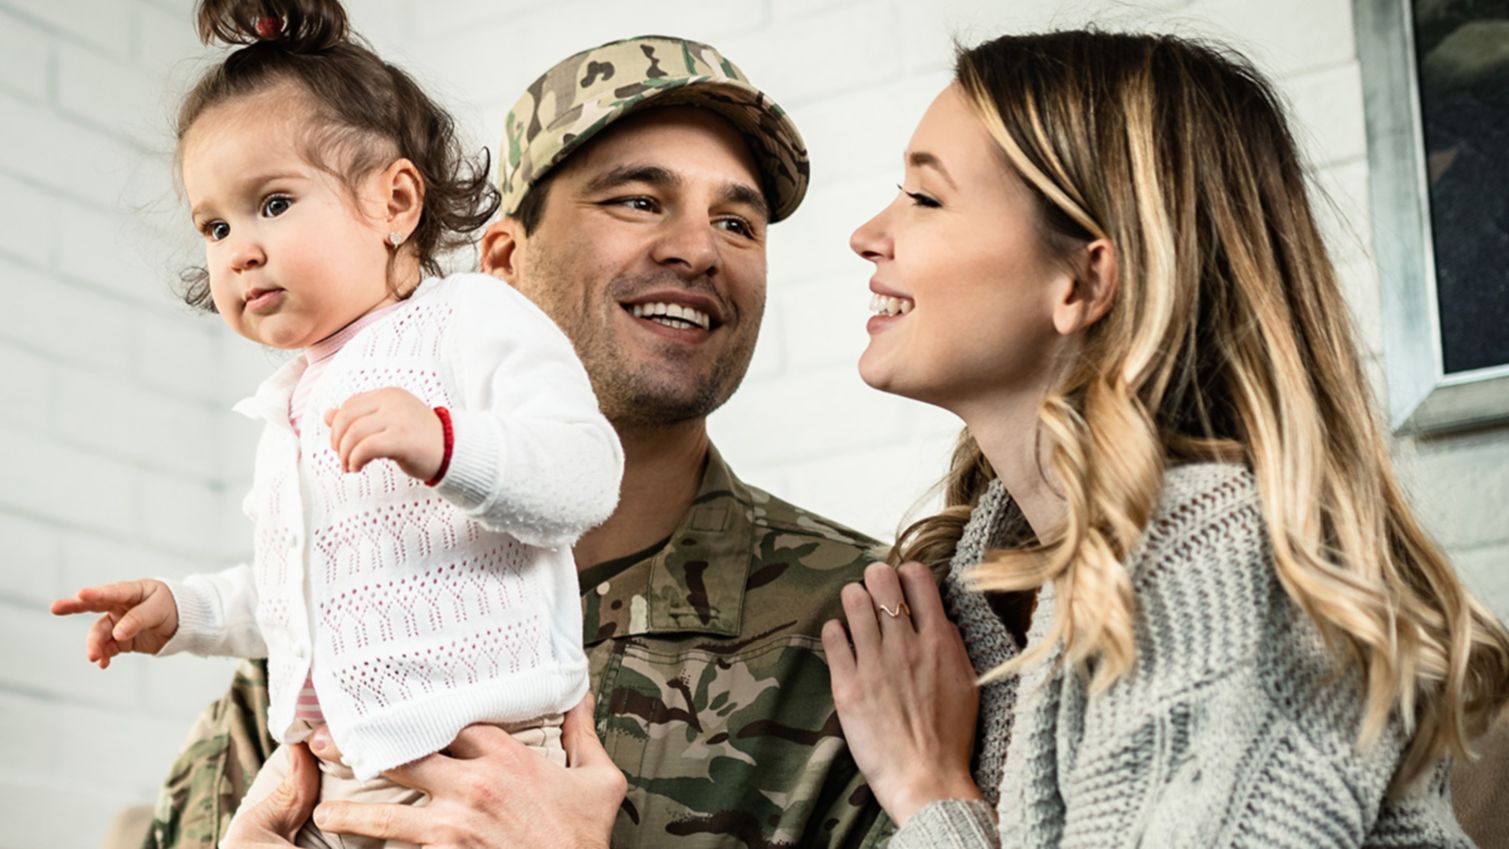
(688, 244)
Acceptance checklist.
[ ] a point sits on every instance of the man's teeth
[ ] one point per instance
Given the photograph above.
(886, 305)
(673, 315)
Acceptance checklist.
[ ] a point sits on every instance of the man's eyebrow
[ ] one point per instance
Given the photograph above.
(652, 175)
(747, 195)
(923, 159)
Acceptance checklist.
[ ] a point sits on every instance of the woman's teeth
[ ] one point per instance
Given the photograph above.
(673, 315)
(886, 305)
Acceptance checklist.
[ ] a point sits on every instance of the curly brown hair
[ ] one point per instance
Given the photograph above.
(364, 110)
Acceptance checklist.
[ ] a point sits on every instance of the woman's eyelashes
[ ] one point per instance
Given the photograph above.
(920, 199)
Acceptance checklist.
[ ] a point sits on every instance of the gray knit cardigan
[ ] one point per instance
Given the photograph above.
(1235, 729)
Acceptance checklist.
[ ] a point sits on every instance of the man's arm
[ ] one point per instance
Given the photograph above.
(225, 749)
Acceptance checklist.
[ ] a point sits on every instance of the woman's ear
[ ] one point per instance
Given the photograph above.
(1096, 276)
(402, 190)
(500, 249)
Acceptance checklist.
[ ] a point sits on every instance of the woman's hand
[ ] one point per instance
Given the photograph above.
(488, 789)
(905, 691)
(140, 616)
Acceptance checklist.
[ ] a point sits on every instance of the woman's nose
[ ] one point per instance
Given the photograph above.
(872, 240)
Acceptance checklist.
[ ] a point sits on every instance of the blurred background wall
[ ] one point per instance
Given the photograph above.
(119, 456)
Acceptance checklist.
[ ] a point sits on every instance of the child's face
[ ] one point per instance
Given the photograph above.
(292, 256)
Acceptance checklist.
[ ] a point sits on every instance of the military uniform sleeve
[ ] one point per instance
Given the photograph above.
(225, 749)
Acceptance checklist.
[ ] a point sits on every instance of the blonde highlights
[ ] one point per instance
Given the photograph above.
(1229, 339)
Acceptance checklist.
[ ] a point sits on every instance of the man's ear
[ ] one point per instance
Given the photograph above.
(1093, 289)
(402, 190)
(500, 249)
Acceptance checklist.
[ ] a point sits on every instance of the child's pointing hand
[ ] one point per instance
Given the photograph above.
(387, 424)
(140, 616)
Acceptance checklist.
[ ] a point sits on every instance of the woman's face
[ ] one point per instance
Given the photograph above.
(964, 283)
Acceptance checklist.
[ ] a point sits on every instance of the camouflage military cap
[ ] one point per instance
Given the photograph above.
(576, 99)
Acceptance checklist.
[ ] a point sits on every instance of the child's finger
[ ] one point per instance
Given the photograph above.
(129, 625)
(340, 429)
(100, 599)
(118, 594)
(150, 617)
(359, 431)
(354, 408)
(374, 447)
(98, 640)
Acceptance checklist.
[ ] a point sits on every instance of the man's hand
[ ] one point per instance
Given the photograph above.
(140, 616)
(387, 424)
(489, 790)
(274, 822)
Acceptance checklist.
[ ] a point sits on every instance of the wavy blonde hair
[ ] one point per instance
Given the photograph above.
(1229, 339)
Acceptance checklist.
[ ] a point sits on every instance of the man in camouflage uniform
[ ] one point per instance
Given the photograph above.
(702, 597)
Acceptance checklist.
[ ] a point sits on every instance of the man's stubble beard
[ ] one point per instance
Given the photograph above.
(635, 394)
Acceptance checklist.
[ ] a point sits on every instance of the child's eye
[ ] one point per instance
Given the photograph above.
(276, 205)
(216, 230)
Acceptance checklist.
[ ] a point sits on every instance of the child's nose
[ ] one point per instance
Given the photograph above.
(248, 255)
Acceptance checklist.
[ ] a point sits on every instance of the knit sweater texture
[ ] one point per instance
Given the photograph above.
(1236, 728)
(417, 610)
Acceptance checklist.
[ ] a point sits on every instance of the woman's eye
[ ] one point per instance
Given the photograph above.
(217, 230)
(276, 205)
(920, 199)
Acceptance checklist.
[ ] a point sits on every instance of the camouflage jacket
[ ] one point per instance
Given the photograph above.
(712, 691)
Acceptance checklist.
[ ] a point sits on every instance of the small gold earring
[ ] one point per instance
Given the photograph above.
(395, 238)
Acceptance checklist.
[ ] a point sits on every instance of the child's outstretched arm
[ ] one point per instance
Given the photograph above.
(531, 455)
(139, 616)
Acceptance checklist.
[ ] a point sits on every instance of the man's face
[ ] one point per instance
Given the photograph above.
(650, 255)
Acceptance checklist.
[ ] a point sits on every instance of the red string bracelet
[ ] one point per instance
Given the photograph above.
(450, 443)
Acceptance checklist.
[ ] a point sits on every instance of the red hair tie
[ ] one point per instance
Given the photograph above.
(269, 27)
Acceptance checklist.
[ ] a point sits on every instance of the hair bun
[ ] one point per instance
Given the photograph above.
(303, 26)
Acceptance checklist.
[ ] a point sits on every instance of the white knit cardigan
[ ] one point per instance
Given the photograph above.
(421, 609)
(1236, 728)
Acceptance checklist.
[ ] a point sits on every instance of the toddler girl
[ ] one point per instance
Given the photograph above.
(425, 464)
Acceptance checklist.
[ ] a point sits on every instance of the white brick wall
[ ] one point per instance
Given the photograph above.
(121, 460)
(111, 414)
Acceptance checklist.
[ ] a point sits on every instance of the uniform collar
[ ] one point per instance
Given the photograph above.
(695, 584)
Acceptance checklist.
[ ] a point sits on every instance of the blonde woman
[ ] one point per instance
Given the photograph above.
(1174, 544)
